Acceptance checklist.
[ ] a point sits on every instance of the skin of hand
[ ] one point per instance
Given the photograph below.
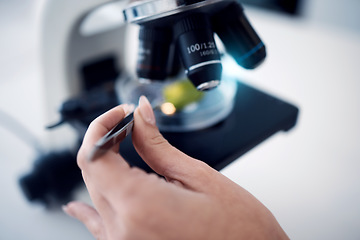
(192, 201)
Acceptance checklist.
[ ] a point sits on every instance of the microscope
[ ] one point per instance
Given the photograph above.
(171, 51)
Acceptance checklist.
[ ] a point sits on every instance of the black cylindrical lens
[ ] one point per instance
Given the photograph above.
(153, 53)
(198, 52)
(239, 38)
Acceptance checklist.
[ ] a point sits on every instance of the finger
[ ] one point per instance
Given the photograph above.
(100, 127)
(161, 156)
(100, 202)
(88, 216)
(105, 174)
(108, 180)
(97, 129)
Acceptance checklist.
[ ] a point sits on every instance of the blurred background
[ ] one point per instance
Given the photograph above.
(308, 177)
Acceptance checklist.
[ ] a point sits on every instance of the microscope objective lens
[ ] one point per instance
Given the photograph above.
(153, 53)
(239, 38)
(198, 51)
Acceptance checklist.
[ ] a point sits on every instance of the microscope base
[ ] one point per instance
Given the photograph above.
(255, 117)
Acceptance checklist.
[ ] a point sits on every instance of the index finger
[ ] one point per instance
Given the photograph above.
(100, 127)
(104, 174)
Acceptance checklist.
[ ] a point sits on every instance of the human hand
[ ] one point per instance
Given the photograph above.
(193, 201)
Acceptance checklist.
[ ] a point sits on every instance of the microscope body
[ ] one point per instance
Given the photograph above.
(77, 68)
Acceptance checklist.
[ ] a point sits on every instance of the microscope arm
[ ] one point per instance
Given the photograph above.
(63, 49)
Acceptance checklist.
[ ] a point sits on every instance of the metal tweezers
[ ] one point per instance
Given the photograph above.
(113, 137)
(117, 134)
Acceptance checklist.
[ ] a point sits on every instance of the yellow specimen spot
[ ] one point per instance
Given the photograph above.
(181, 93)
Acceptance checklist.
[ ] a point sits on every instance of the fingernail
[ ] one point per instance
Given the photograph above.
(128, 108)
(125, 107)
(146, 110)
(131, 108)
(65, 208)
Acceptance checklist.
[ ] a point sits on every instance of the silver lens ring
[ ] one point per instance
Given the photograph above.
(143, 11)
(208, 85)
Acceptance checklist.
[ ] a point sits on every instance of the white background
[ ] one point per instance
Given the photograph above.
(309, 177)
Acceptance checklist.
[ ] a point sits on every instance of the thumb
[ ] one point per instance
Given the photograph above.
(156, 151)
